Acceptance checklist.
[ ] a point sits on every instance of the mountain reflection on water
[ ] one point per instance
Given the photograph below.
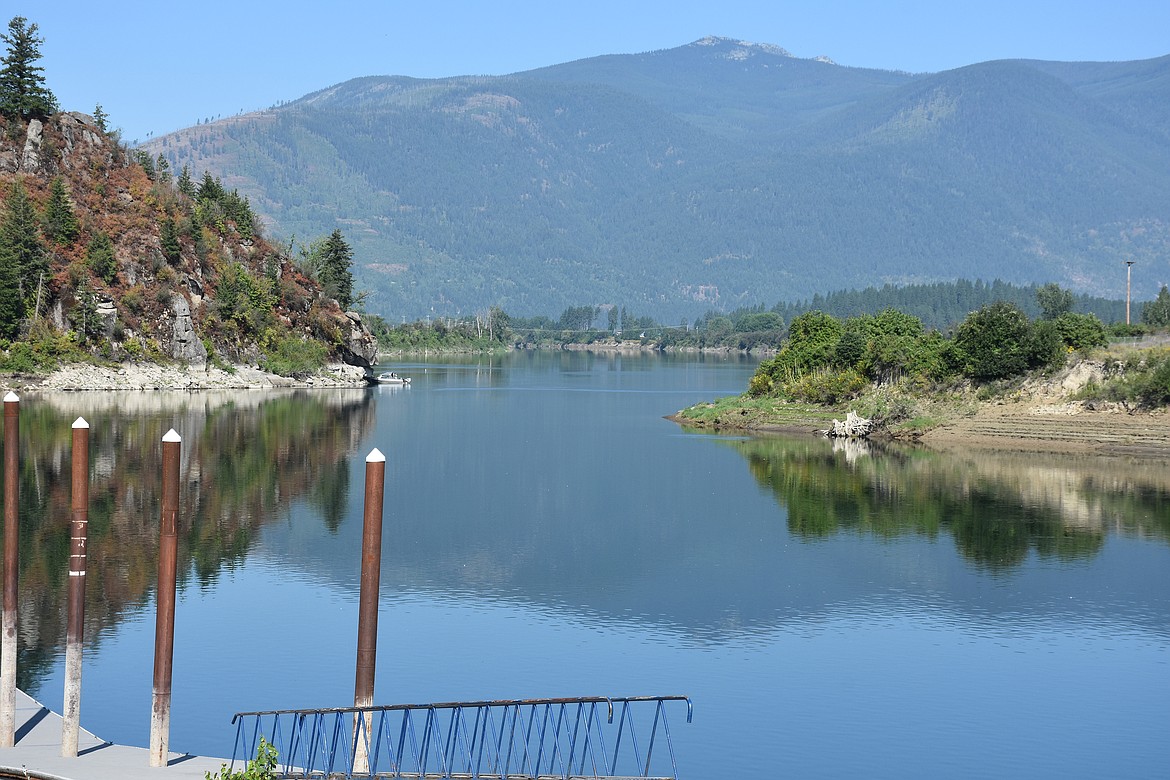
(245, 457)
(997, 507)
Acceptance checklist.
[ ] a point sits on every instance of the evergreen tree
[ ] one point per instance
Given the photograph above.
(239, 211)
(22, 83)
(11, 303)
(19, 240)
(186, 186)
(210, 189)
(146, 161)
(100, 255)
(169, 237)
(59, 223)
(1157, 312)
(162, 168)
(334, 272)
(101, 118)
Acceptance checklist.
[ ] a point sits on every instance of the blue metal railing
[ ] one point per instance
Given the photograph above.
(488, 740)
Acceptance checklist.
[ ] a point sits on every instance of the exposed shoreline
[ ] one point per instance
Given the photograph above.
(1041, 415)
(1021, 426)
(85, 377)
(1037, 422)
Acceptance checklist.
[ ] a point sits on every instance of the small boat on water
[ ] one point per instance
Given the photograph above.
(391, 378)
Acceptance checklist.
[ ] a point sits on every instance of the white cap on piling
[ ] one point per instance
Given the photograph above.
(11, 397)
(171, 435)
(375, 456)
(80, 423)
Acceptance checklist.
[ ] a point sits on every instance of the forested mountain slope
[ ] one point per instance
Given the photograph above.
(714, 175)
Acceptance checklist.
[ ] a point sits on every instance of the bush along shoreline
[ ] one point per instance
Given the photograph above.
(890, 369)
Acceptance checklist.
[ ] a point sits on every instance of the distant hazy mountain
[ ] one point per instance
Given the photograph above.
(712, 175)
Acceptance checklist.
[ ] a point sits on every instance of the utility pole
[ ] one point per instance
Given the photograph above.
(1128, 277)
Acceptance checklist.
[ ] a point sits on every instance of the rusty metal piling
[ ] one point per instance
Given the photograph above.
(164, 625)
(363, 694)
(79, 525)
(11, 562)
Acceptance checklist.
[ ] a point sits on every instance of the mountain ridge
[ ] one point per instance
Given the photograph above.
(693, 178)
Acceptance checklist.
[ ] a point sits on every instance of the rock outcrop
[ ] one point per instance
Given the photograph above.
(185, 342)
(190, 271)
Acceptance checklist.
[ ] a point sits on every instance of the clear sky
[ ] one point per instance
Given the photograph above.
(161, 66)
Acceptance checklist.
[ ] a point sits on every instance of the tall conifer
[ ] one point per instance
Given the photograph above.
(20, 243)
(334, 270)
(22, 82)
(11, 303)
(59, 223)
(186, 186)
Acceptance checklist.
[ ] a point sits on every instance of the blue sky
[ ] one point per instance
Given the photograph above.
(157, 67)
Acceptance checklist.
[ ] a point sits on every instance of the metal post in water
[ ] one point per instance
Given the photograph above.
(79, 523)
(164, 623)
(363, 693)
(11, 562)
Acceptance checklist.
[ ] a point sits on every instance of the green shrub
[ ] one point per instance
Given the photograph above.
(20, 359)
(1081, 331)
(993, 341)
(294, 357)
(827, 386)
(1044, 345)
(262, 767)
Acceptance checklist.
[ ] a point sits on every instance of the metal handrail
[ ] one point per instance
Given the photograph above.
(493, 740)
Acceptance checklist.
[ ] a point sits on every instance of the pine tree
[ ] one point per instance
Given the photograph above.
(22, 82)
(11, 303)
(334, 269)
(169, 237)
(1157, 311)
(101, 119)
(100, 255)
(163, 168)
(186, 186)
(59, 223)
(20, 243)
(210, 189)
(146, 161)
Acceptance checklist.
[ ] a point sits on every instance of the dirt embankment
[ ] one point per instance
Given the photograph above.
(1056, 427)
(1043, 415)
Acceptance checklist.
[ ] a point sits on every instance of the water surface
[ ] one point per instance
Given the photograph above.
(830, 610)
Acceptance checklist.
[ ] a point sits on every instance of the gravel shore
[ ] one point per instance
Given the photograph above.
(82, 377)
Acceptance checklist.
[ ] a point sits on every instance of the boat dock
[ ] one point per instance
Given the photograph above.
(37, 753)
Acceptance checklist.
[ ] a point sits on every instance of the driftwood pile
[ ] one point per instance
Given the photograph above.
(853, 427)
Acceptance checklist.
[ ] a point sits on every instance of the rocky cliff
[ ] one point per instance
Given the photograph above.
(154, 267)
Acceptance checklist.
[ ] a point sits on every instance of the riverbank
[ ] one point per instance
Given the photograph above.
(80, 377)
(1041, 415)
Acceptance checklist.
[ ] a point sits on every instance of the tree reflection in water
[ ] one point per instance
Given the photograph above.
(245, 458)
(998, 507)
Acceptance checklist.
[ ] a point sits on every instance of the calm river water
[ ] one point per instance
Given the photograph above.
(831, 612)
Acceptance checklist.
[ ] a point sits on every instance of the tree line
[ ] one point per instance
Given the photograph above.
(757, 327)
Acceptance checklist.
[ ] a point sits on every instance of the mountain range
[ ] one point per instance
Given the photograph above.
(714, 175)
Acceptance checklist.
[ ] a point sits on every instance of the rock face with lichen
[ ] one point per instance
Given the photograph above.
(190, 268)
